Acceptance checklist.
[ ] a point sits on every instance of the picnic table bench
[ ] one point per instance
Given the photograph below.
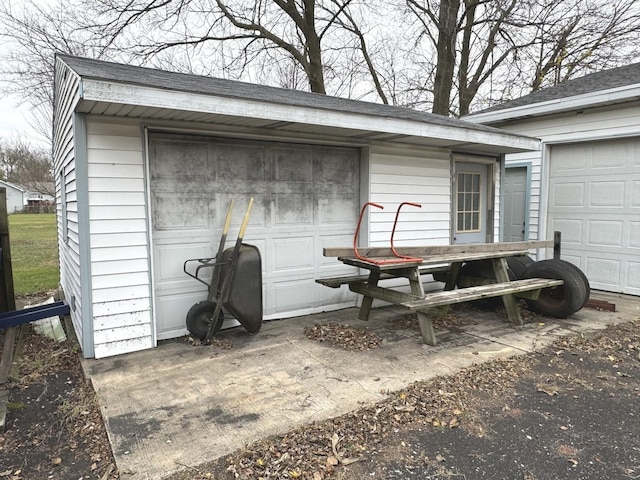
(444, 262)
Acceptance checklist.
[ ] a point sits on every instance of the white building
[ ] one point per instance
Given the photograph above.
(146, 162)
(585, 180)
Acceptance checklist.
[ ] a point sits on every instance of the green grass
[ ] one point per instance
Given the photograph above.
(34, 252)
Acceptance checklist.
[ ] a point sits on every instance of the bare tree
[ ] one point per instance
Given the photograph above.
(577, 37)
(499, 49)
(34, 33)
(251, 30)
(27, 166)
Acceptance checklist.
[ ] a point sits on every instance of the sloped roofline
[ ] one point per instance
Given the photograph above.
(104, 74)
(608, 87)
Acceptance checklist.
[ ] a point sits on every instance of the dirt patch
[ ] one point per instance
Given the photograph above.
(53, 426)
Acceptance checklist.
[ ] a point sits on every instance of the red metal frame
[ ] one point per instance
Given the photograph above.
(393, 249)
(398, 257)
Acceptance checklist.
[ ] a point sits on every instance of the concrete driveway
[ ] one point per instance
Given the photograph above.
(179, 405)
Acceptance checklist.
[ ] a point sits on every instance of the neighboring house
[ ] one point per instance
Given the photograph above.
(146, 162)
(15, 196)
(585, 181)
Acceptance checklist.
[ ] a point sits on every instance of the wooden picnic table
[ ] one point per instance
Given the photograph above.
(444, 262)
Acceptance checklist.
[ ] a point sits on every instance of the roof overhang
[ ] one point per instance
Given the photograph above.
(100, 97)
(614, 96)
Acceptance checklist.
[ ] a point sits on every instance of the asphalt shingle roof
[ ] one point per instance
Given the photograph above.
(133, 75)
(594, 82)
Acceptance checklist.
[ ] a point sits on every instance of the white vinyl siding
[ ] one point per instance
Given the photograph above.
(118, 237)
(410, 175)
(64, 157)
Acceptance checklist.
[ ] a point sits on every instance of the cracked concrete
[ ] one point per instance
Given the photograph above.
(180, 405)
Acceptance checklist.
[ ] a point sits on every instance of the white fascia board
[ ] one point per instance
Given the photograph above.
(101, 91)
(593, 99)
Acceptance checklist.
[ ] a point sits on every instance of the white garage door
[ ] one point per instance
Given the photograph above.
(306, 198)
(594, 200)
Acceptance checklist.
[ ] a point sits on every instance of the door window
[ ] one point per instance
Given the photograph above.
(468, 213)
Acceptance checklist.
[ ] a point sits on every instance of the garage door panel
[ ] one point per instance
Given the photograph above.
(236, 162)
(179, 212)
(298, 171)
(568, 194)
(604, 273)
(607, 193)
(599, 225)
(606, 233)
(305, 197)
(571, 230)
(293, 209)
(633, 277)
(332, 211)
(178, 159)
(634, 235)
(635, 194)
(292, 253)
(333, 171)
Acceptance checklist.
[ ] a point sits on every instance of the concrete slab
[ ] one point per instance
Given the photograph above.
(179, 405)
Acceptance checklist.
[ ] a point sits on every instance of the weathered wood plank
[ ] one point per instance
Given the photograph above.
(435, 250)
(483, 291)
(434, 260)
(335, 282)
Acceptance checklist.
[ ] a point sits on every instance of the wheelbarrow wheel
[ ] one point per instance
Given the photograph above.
(199, 318)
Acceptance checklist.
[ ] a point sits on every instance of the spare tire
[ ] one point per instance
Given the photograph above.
(519, 264)
(563, 300)
(483, 269)
(584, 279)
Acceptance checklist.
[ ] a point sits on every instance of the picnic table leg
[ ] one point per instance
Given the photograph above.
(424, 320)
(365, 308)
(450, 284)
(510, 302)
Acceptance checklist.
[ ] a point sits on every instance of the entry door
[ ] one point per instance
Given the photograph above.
(514, 204)
(471, 216)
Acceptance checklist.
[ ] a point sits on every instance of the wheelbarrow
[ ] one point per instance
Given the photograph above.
(235, 285)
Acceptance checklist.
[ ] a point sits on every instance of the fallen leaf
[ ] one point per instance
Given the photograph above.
(548, 390)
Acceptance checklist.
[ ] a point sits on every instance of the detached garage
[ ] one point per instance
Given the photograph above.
(585, 182)
(146, 162)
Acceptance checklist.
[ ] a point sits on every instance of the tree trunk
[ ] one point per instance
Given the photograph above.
(446, 48)
(465, 92)
(314, 69)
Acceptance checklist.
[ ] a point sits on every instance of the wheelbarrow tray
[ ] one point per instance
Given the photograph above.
(244, 300)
